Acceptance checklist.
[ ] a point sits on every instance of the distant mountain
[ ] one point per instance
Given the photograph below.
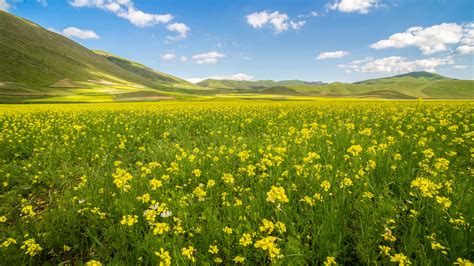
(248, 85)
(420, 76)
(38, 63)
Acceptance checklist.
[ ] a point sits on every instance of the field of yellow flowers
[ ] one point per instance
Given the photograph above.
(239, 182)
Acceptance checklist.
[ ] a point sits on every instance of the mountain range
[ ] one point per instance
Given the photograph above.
(38, 65)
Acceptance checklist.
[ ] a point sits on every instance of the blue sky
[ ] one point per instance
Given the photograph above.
(328, 40)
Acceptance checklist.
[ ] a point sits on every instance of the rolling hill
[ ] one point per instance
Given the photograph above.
(406, 86)
(40, 64)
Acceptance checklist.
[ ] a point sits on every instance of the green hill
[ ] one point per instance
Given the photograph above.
(406, 86)
(39, 64)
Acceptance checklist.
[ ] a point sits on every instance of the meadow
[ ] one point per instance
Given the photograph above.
(237, 182)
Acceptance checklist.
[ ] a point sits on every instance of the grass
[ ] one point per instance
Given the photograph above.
(231, 181)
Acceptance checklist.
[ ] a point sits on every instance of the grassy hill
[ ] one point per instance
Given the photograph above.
(40, 64)
(406, 86)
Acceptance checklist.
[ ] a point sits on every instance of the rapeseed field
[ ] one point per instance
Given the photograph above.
(238, 182)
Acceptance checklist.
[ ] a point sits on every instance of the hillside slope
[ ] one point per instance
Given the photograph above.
(38, 63)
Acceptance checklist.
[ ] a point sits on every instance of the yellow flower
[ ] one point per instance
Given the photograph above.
(228, 179)
(245, 240)
(27, 211)
(93, 263)
(3, 219)
(346, 182)
(155, 184)
(238, 259)
(129, 220)
(325, 185)
(189, 253)
(330, 261)
(66, 248)
(427, 187)
(196, 172)
(227, 230)
(355, 150)
(31, 247)
(400, 258)
(385, 250)
(145, 198)
(9, 241)
(164, 257)
(213, 249)
(276, 195)
(268, 244)
(444, 202)
(160, 228)
(267, 226)
(463, 262)
(368, 195)
(122, 179)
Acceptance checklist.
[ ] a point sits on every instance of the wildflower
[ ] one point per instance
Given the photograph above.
(196, 172)
(325, 185)
(3, 219)
(267, 226)
(9, 241)
(160, 228)
(189, 253)
(355, 150)
(228, 179)
(200, 193)
(213, 249)
(427, 187)
(122, 179)
(400, 258)
(385, 250)
(164, 257)
(277, 194)
(388, 236)
(145, 198)
(268, 244)
(444, 202)
(346, 182)
(93, 263)
(155, 184)
(238, 259)
(368, 195)
(245, 240)
(227, 230)
(129, 220)
(31, 247)
(66, 248)
(330, 261)
(27, 211)
(463, 262)
(281, 227)
(211, 183)
(308, 200)
(218, 260)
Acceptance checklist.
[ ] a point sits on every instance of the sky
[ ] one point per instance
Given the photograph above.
(312, 40)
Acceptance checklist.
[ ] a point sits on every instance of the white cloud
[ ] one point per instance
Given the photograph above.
(429, 40)
(208, 58)
(181, 28)
(467, 42)
(168, 56)
(238, 77)
(348, 6)
(461, 67)
(279, 21)
(80, 33)
(4, 5)
(183, 59)
(336, 54)
(396, 64)
(125, 9)
(44, 3)
(142, 19)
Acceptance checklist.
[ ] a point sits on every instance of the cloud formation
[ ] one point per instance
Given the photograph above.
(335, 54)
(238, 77)
(80, 33)
(168, 56)
(208, 58)
(348, 6)
(279, 21)
(4, 5)
(396, 64)
(180, 28)
(127, 10)
(431, 39)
